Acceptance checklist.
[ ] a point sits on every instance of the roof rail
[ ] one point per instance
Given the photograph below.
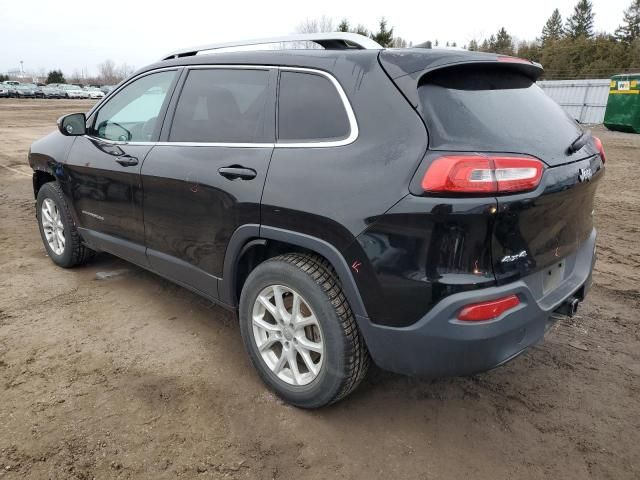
(328, 40)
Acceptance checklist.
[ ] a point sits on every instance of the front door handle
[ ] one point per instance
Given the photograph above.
(127, 161)
(236, 171)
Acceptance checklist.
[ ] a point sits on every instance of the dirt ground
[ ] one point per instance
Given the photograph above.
(134, 377)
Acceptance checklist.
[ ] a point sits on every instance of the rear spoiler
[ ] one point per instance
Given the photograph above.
(406, 67)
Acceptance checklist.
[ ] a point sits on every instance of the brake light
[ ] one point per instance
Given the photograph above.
(479, 312)
(482, 174)
(600, 148)
(508, 59)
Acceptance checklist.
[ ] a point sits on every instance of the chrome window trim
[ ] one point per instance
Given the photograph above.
(215, 144)
(353, 123)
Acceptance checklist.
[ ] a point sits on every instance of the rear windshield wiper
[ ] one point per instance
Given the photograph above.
(579, 142)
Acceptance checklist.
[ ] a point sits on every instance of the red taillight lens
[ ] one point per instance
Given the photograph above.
(482, 174)
(508, 59)
(478, 312)
(600, 148)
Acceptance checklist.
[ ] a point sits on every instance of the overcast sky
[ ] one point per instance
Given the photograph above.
(78, 35)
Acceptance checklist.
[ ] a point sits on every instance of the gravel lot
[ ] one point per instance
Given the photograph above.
(133, 377)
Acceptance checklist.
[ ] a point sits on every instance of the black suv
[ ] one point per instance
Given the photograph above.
(426, 209)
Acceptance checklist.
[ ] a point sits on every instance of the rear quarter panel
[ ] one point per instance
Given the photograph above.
(334, 193)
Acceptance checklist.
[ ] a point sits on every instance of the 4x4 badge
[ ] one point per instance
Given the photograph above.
(584, 174)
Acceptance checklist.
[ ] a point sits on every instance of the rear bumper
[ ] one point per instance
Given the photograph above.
(440, 345)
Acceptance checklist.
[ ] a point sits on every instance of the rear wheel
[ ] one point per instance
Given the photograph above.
(300, 332)
(57, 229)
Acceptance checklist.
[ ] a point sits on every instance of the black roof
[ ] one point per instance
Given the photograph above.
(312, 58)
(397, 62)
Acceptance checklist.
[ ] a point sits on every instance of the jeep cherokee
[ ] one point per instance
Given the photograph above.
(428, 210)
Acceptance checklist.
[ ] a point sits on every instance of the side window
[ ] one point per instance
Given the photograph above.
(132, 114)
(224, 106)
(310, 109)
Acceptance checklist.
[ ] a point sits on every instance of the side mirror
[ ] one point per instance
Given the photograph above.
(73, 124)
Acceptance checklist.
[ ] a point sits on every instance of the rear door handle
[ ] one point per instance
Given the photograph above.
(237, 171)
(127, 161)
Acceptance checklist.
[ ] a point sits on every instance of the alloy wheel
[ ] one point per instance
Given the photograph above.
(288, 335)
(52, 226)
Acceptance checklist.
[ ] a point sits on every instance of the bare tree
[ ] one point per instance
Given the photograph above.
(316, 25)
(399, 42)
(75, 77)
(125, 71)
(107, 72)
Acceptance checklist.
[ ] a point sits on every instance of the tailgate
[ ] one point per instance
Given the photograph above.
(539, 229)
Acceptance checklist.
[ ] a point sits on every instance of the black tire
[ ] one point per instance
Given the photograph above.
(346, 356)
(74, 252)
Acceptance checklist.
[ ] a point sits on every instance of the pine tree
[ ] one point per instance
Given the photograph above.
(503, 43)
(55, 76)
(343, 26)
(383, 36)
(630, 29)
(580, 24)
(473, 45)
(553, 30)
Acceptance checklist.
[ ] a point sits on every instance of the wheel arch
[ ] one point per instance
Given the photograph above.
(39, 178)
(247, 238)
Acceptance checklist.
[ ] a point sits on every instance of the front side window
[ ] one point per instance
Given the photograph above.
(132, 114)
(224, 106)
(310, 109)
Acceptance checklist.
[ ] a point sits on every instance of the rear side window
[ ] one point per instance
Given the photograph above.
(224, 106)
(310, 109)
(493, 110)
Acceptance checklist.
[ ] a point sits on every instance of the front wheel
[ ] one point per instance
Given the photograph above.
(57, 229)
(300, 332)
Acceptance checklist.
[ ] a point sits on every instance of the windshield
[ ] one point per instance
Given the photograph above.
(493, 111)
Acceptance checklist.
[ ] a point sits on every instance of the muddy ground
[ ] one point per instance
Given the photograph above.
(133, 377)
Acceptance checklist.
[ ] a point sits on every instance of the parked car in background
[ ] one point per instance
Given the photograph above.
(73, 91)
(10, 82)
(36, 89)
(107, 88)
(52, 91)
(4, 90)
(94, 92)
(11, 87)
(24, 91)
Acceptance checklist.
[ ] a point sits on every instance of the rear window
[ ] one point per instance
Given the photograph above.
(493, 110)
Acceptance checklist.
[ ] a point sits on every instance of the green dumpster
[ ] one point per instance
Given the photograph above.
(623, 105)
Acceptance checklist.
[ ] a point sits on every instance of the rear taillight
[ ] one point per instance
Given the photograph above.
(479, 312)
(600, 148)
(482, 174)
